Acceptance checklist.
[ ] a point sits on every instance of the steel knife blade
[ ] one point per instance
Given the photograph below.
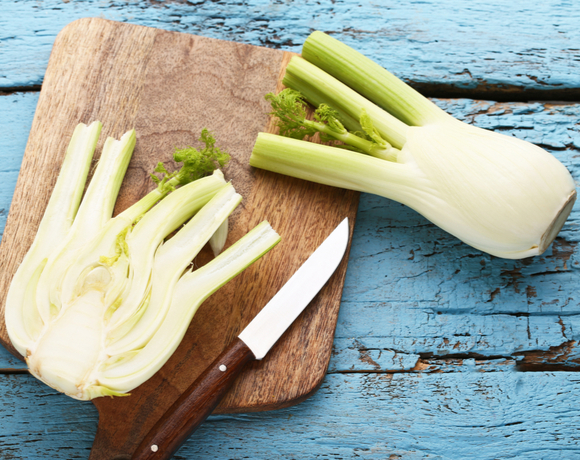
(201, 398)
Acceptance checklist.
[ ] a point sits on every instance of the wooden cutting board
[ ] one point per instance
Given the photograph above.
(168, 86)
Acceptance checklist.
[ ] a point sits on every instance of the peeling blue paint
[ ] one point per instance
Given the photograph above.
(460, 415)
(483, 45)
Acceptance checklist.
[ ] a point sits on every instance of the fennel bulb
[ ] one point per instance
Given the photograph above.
(100, 303)
(499, 194)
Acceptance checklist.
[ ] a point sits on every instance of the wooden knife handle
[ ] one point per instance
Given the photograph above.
(195, 405)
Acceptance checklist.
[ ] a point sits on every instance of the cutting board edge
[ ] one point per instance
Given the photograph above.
(75, 23)
(290, 402)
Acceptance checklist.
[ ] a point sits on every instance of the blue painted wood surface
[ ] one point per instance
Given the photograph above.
(467, 415)
(434, 338)
(478, 45)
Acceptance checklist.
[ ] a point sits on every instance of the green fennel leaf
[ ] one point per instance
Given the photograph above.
(289, 107)
(197, 163)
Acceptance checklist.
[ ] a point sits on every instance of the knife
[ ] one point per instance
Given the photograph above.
(202, 397)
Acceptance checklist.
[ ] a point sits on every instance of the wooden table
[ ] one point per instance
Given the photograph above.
(441, 352)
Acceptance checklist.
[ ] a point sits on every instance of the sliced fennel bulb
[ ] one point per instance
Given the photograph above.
(499, 194)
(103, 307)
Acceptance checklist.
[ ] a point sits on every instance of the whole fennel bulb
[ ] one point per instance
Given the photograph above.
(499, 194)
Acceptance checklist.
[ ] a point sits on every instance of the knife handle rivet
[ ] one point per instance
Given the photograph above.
(154, 448)
(223, 368)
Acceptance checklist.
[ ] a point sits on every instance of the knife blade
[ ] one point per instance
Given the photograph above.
(202, 397)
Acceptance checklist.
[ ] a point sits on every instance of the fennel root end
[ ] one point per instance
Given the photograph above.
(557, 224)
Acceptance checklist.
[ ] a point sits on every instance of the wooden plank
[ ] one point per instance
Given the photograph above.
(67, 430)
(516, 49)
(525, 416)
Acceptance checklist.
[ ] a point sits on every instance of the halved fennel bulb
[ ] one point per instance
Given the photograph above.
(100, 303)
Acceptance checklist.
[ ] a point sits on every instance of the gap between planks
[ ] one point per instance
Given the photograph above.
(488, 93)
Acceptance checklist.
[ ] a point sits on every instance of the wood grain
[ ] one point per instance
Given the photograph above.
(169, 86)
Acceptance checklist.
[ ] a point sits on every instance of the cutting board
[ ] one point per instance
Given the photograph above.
(168, 86)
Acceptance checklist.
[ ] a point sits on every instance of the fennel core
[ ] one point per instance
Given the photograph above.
(499, 194)
(100, 303)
